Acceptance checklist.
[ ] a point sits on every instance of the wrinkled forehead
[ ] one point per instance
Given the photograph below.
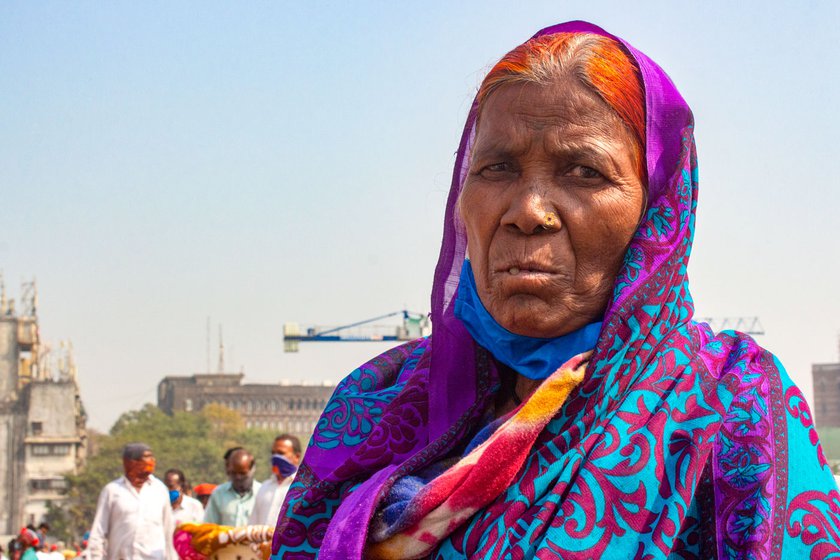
(564, 110)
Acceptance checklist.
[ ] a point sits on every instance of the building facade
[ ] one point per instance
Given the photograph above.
(826, 378)
(42, 422)
(279, 407)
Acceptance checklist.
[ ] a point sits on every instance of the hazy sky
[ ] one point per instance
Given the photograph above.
(262, 162)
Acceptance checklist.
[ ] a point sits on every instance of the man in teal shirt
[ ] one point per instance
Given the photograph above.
(231, 503)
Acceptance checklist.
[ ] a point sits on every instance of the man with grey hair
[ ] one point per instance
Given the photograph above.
(133, 518)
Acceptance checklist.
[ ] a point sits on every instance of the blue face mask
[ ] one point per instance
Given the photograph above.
(535, 358)
(173, 496)
(282, 466)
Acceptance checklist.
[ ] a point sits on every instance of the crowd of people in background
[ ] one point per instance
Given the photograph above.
(34, 543)
(137, 514)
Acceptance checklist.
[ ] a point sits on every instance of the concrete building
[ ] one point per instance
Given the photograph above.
(42, 422)
(826, 378)
(278, 407)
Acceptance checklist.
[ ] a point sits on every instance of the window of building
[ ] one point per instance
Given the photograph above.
(50, 449)
(38, 484)
(37, 428)
(44, 484)
(188, 406)
(61, 449)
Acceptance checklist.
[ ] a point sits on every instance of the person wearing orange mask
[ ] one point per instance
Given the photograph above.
(133, 516)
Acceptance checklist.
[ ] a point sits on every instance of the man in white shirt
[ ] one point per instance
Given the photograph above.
(185, 509)
(133, 517)
(285, 457)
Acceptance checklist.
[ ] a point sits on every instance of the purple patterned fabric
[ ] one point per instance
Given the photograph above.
(675, 445)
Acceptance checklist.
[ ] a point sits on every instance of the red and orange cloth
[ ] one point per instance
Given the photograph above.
(443, 504)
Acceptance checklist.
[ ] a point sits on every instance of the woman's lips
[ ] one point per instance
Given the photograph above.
(517, 271)
(528, 274)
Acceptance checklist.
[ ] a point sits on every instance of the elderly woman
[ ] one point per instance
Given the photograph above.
(566, 405)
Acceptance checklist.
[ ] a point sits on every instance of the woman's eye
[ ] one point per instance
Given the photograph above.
(585, 172)
(495, 169)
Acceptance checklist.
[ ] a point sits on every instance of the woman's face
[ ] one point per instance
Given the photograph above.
(550, 204)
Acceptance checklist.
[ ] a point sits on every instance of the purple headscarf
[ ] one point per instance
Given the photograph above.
(675, 444)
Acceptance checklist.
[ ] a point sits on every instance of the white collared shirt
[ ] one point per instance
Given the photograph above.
(131, 524)
(269, 501)
(189, 510)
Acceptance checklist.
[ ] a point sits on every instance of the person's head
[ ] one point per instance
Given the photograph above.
(285, 455)
(176, 483)
(174, 479)
(44, 528)
(202, 492)
(240, 470)
(556, 182)
(138, 463)
(288, 446)
(28, 538)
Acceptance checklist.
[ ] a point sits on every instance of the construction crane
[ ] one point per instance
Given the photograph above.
(414, 325)
(747, 325)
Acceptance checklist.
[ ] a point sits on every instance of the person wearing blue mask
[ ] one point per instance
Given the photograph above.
(185, 508)
(285, 457)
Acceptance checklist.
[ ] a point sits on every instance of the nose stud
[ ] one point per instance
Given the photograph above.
(550, 222)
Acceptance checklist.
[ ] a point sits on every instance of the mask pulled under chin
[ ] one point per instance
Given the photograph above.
(535, 358)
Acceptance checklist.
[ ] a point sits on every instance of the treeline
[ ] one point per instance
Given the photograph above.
(191, 441)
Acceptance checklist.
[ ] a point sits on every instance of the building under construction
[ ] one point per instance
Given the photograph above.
(42, 422)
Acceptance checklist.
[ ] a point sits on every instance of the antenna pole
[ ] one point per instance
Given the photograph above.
(207, 348)
(221, 351)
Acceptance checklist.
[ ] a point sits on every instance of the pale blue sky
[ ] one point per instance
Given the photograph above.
(270, 162)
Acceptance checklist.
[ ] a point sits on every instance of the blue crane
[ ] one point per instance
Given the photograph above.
(414, 325)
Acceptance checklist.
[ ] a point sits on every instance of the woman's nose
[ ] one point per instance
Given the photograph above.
(530, 213)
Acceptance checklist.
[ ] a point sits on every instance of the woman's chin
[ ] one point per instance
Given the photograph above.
(543, 323)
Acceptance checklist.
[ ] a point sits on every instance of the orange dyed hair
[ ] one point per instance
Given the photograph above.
(598, 62)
